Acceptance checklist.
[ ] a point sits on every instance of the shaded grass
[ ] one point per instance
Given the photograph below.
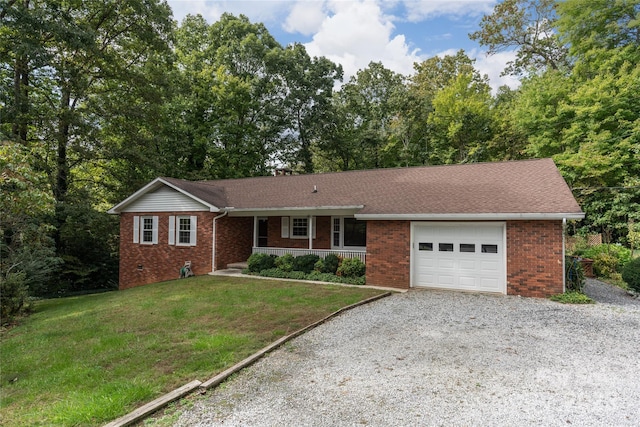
(90, 359)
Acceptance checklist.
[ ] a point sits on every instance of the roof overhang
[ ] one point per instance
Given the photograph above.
(153, 185)
(473, 216)
(296, 211)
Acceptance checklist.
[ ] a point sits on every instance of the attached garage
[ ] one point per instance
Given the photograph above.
(459, 255)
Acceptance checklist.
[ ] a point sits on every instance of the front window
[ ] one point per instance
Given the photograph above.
(184, 231)
(147, 229)
(348, 232)
(300, 227)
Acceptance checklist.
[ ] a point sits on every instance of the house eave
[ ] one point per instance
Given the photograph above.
(120, 207)
(473, 217)
(295, 210)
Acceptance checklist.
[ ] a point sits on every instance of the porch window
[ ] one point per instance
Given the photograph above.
(349, 232)
(299, 227)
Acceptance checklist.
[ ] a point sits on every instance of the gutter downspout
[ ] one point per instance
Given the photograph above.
(213, 245)
(564, 267)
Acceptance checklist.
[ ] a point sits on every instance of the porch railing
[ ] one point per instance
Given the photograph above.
(344, 253)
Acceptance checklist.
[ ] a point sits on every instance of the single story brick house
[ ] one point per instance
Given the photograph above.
(492, 227)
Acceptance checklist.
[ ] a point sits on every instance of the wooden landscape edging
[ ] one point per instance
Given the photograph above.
(151, 407)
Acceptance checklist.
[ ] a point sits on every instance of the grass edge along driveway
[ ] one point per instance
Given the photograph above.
(90, 359)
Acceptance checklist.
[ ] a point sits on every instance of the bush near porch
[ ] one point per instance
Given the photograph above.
(308, 267)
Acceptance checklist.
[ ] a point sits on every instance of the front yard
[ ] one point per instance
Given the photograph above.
(87, 360)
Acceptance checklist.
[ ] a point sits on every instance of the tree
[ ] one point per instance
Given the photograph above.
(529, 27)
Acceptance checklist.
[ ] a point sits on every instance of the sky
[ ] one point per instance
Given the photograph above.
(353, 33)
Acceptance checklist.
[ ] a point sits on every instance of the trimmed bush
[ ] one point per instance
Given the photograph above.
(305, 263)
(258, 262)
(331, 264)
(351, 267)
(285, 262)
(631, 274)
(574, 274)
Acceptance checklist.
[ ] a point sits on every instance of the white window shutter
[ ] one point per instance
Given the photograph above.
(136, 229)
(172, 230)
(155, 230)
(194, 230)
(313, 225)
(284, 229)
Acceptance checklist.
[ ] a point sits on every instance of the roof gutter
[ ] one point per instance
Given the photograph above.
(472, 217)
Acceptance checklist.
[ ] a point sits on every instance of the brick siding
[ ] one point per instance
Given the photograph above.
(233, 241)
(534, 258)
(388, 253)
(141, 264)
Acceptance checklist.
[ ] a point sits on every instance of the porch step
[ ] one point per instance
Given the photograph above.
(238, 265)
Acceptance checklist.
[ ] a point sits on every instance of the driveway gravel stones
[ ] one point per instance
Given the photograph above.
(440, 358)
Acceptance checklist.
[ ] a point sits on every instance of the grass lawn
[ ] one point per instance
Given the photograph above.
(88, 360)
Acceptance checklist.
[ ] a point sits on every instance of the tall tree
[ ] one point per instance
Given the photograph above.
(527, 26)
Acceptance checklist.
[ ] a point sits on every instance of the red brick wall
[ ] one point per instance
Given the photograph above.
(534, 258)
(322, 240)
(234, 240)
(388, 253)
(162, 261)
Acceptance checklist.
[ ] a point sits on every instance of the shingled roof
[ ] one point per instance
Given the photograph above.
(515, 189)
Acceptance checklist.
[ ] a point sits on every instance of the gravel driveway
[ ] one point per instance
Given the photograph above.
(440, 358)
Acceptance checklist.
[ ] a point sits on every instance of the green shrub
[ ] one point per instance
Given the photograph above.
(574, 274)
(282, 274)
(331, 264)
(14, 296)
(631, 274)
(607, 258)
(305, 263)
(351, 267)
(572, 297)
(258, 262)
(285, 262)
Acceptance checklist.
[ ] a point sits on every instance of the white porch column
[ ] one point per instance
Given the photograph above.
(255, 231)
(310, 229)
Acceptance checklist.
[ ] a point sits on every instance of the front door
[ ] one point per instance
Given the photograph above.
(262, 232)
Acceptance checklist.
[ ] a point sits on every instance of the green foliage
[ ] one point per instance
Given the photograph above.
(631, 274)
(258, 262)
(285, 262)
(572, 297)
(305, 263)
(351, 267)
(607, 258)
(314, 275)
(574, 274)
(14, 296)
(283, 274)
(331, 262)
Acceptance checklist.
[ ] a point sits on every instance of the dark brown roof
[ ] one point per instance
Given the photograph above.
(515, 187)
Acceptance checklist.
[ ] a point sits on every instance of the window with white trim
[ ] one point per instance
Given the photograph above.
(183, 230)
(299, 227)
(348, 232)
(145, 230)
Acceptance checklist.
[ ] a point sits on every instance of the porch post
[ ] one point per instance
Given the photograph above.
(255, 231)
(310, 228)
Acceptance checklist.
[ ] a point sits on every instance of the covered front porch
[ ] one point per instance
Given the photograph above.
(296, 232)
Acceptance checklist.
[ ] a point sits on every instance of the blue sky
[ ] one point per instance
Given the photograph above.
(356, 32)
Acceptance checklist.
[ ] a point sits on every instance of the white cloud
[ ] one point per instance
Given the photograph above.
(211, 10)
(420, 10)
(355, 33)
(305, 18)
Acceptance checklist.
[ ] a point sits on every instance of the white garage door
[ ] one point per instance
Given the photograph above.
(463, 256)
